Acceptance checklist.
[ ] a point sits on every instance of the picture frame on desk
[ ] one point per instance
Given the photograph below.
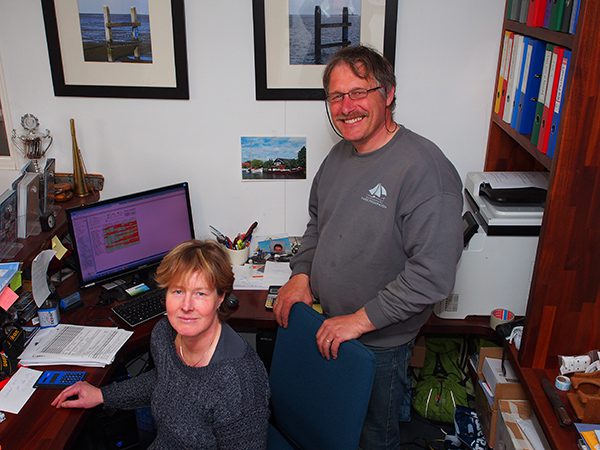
(277, 78)
(148, 61)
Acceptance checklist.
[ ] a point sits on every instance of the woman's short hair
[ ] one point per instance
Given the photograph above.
(364, 62)
(192, 256)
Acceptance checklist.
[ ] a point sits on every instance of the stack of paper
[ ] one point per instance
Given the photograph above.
(258, 277)
(74, 345)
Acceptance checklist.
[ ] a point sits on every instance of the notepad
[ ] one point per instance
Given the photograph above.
(19, 388)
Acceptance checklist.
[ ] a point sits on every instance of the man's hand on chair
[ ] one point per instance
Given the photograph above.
(297, 289)
(340, 329)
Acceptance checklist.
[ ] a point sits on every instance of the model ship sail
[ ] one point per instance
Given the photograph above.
(80, 187)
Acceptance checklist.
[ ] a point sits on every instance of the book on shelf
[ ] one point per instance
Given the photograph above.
(501, 73)
(590, 433)
(566, 18)
(519, 83)
(541, 97)
(524, 10)
(548, 13)
(513, 7)
(532, 76)
(574, 16)
(558, 9)
(509, 53)
(513, 75)
(553, 76)
(535, 14)
(562, 81)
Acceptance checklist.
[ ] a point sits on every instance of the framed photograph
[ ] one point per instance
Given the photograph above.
(117, 48)
(293, 40)
(273, 158)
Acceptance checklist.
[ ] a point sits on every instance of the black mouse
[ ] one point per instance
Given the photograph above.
(232, 302)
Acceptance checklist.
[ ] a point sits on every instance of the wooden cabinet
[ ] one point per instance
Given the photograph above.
(563, 312)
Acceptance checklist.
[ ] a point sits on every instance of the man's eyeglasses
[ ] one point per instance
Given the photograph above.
(355, 94)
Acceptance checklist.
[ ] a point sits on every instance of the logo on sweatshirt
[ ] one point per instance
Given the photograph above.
(376, 195)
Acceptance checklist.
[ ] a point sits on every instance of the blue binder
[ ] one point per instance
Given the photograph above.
(530, 88)
(560, 90)
(574, 17)
(548, 13)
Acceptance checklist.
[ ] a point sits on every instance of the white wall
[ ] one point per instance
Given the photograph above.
(446, 59)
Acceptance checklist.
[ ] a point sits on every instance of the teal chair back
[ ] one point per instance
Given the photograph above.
(317, 403)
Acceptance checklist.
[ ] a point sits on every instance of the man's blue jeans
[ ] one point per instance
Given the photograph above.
(390, 401)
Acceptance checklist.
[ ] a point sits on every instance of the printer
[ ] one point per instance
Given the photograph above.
(502, 222)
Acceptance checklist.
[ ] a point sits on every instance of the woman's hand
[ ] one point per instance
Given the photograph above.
(86, 396)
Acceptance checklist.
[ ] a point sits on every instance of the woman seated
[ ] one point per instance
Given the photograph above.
(208, 389)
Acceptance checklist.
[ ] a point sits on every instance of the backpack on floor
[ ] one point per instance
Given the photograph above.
(440, 387)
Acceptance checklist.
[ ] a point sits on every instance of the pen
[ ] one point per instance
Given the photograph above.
(248, 234)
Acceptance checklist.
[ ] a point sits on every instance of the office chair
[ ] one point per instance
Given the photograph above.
(316, 403)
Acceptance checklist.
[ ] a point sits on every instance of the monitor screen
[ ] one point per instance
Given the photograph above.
(126, 234)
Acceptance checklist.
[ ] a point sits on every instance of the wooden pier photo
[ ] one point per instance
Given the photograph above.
(116, 37)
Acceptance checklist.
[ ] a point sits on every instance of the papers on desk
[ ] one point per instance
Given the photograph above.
(74, 345)
(18, 390)
(258, 277)
(39, 279)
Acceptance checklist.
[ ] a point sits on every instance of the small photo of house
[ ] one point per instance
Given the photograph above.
(273, 158)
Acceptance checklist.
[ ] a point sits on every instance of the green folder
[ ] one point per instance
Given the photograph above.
(558, 8)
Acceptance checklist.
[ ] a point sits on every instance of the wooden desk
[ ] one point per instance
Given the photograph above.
(39, 426)
(251, 315)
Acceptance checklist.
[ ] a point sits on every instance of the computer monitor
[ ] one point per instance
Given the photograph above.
(122, 235)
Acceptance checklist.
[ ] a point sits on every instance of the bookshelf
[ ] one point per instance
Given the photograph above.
(563, 311)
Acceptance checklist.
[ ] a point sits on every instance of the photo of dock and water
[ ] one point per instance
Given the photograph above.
(115, 30)
(318, 28)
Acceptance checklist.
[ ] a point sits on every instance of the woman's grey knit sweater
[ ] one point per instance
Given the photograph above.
(224, 405)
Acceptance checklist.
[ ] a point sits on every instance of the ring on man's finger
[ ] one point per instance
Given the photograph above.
(327, 340)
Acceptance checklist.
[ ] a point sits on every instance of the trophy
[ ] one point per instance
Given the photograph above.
(32, 144)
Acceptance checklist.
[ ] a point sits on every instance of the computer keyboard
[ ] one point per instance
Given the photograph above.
(142, 308)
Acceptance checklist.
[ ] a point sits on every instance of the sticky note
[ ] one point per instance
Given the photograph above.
(58, 247)
(7, 298)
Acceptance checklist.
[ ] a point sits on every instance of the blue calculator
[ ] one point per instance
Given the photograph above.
(59, 379)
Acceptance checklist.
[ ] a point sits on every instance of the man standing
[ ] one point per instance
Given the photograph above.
(384, 236)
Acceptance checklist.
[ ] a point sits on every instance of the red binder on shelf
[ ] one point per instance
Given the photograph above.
(509, 54)
(501, 74)
(535, 15)
(562, 81)
(553, 77)
(539, 108)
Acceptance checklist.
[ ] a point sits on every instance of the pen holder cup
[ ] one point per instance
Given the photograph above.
(238, 257)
